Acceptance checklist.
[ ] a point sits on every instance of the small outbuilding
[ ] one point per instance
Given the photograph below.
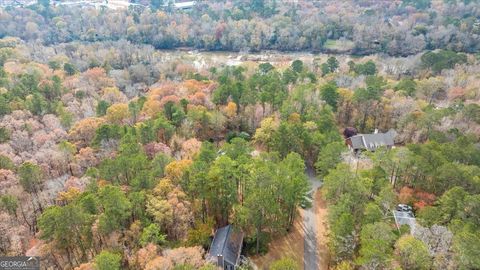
(403, 215)
(226, 248)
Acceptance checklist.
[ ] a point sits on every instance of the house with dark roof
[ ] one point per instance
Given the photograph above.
(226, 248)
(371, 142)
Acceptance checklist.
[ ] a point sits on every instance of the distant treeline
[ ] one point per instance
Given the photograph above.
(356, 27)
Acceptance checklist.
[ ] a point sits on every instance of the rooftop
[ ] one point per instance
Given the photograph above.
(372, 141)
(227, 242)
(405, 218)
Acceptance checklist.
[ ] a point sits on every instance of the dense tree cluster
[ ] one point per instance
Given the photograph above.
(119, 156)
(361, 203)
(147, 179)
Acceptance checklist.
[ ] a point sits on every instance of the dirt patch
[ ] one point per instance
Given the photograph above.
(322, 231)
(290, 245)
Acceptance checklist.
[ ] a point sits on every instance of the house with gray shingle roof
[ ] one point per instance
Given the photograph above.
(372, 141)
(226, 248)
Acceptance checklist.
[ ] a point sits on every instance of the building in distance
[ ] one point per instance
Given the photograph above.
(369, 142)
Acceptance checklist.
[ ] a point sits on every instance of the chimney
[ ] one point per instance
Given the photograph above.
(220, 260)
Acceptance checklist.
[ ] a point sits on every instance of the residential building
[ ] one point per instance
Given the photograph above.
(226, 248)
(371, 142)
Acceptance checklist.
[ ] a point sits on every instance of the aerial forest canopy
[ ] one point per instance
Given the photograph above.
(401, 27)
(116, 153)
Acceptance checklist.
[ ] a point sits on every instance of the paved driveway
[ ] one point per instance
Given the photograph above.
(311, 255)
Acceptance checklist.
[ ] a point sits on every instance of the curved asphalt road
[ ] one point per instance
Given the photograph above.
(310, 256)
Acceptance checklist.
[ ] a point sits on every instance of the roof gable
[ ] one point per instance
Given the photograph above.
(228, 243)
(373, 141)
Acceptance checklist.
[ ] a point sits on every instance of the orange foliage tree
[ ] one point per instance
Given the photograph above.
(83, 132)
